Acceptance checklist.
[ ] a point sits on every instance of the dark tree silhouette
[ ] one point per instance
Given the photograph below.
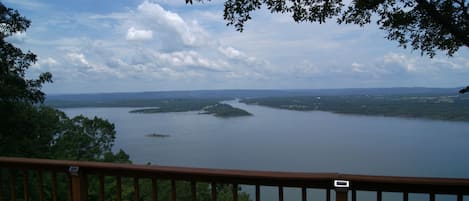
(464, 90)
(20, 121)
(14, 86)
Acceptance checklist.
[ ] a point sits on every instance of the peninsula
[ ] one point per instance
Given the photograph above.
(224, 110)
(212, 107)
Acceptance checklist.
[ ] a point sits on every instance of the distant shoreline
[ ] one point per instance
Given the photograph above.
(446, 108)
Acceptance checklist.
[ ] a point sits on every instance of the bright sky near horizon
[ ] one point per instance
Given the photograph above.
(149, 45)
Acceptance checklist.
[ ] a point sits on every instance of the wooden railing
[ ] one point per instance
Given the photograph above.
(78, 173)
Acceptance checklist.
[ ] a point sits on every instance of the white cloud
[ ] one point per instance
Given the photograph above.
(241, 59)
(49, 62)
(356, 67)
(169, 30)
(188, 59)
(169, 24)
(408, 63)
(45, 64)
(78, 57)
(231, 52)
(139, 34)
(423, 65)
(79, 60)
(174, 47)
(454, 63)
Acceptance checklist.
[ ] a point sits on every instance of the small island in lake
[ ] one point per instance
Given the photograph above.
(156, 135)
(206, 107)
(225, 110)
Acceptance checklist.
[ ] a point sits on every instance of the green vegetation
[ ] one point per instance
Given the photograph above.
(225, 110)
(443, 107)
(209, 106)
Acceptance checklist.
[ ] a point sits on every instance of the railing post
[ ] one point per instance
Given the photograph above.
(341, 189)
(79, 184)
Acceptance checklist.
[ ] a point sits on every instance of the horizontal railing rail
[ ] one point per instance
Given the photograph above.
(78, 172)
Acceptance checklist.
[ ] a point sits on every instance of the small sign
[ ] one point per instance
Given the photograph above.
(341, 184)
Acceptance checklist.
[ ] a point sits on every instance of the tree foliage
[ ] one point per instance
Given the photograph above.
(423, 25)
(25, 130)
(81, 138)
(14, 87)
(28, 130)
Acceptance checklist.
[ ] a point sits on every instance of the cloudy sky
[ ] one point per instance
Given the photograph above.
(148, 45)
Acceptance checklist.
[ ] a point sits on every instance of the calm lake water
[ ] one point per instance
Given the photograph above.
(285, 140)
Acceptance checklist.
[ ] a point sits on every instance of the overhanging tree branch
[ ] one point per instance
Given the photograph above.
(425, 25)
(445, 22)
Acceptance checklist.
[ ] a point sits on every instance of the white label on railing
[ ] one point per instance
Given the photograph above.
(341, 184)
(74, 170)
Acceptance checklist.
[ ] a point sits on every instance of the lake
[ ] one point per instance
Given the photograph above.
(283, 140)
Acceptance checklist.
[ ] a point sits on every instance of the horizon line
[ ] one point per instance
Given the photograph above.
(241, 89)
